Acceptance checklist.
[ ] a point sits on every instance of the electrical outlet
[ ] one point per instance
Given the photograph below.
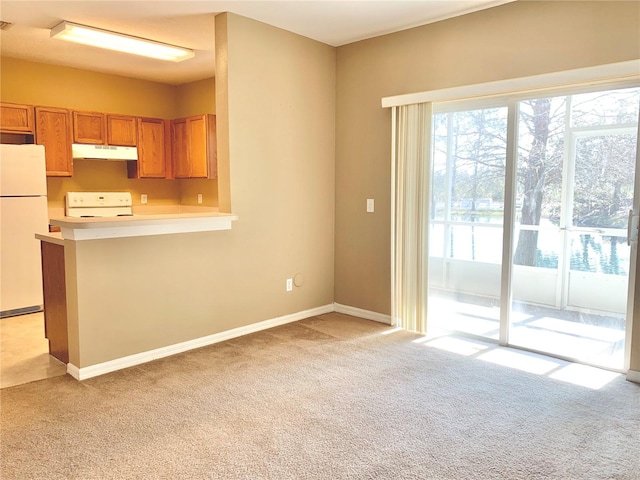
(199, 198)
(289, 284)
(143, 198)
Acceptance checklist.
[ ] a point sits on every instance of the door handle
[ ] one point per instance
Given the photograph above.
(632, 228)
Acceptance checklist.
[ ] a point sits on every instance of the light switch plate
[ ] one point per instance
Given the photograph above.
(370, 205)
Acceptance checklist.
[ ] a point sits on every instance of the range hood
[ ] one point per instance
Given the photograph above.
(104, 152)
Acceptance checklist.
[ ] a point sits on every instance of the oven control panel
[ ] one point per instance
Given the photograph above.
(99, 199)
(98, 204)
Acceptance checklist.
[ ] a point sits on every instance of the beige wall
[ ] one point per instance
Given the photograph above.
(222, 112)
(55, 86)
(181, 287)
(142, 293)
(512, 40)
(194, 99)
(277, 103)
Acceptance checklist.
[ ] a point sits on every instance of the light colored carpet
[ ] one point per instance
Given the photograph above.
(330, 397)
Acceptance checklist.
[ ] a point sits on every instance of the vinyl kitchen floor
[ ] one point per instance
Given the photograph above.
(24, 351)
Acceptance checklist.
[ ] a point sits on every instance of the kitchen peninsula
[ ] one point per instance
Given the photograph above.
(134, 288)
(141, 225)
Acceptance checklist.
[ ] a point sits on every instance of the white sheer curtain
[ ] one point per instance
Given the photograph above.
(411, 184)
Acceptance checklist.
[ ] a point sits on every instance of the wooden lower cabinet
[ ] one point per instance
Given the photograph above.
(55, 300)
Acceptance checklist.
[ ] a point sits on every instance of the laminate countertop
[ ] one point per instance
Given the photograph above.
(51, 237)
(92, 228)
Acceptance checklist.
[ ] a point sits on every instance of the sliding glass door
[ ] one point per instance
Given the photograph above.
(574, 162)
(467, 213)
(575, 183)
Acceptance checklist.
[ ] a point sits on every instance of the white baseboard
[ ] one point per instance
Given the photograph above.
(358, 312)
(633, 376)
(144, 357)
(73, 371)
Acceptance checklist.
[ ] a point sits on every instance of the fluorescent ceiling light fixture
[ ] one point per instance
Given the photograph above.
(119, 42)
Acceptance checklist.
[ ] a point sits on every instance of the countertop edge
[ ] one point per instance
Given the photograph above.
(52, 237)
(142, 225)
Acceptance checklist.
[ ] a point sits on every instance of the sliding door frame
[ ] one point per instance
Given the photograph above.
(513, 91)
(633, 243)
(509, 218)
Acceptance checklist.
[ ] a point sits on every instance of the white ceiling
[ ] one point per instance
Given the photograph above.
(191, 24)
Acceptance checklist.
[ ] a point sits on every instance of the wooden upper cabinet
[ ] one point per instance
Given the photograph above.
(201, 133)
(104, 129)
(152, 161)
(194, 147)
(122, 130)
(179, 148)
(89, 127)
(16, 118)
(54, 131)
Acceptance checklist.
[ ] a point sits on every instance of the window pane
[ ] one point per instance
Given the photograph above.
(539, 172)
(436, 240)
(547, 245)
(439, 188)
(599, 253)
(478, 162)
(604, 177)
(482, 244)
(467, 212)
(575, 181)
(614, 107)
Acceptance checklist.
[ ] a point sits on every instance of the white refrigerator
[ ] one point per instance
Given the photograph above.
(23, 213)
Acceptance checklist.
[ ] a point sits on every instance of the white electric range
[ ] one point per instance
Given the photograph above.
(98, 204)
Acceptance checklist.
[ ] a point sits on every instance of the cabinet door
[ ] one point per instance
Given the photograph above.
(198, 146)
(212, 147)
(194, 147)
(179, 148)
(16, 118)
(121, 130)
(53, 130)
(89, 127)
(151, 148)
(55, 300)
